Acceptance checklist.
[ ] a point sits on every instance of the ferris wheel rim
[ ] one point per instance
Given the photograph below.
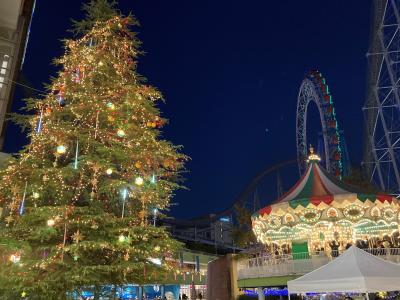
(310, 92)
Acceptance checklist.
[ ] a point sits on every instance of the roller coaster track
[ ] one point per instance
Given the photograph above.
(244, 195)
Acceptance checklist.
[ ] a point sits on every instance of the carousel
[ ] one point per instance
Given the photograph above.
(320, 212)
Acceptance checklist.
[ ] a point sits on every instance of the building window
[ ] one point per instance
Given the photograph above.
(3, 69)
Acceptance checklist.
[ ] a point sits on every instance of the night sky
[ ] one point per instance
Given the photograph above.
(230, 73)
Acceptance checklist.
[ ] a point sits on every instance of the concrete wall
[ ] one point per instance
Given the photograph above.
(222, 279)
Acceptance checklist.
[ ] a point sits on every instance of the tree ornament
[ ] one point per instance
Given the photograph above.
(138, 165)
(60, 96)
(77, 75)
(139, 181)
(35, 195)
(121, 133)
(51, 222)
(9, 219)
(157, 248)
(121, 238)
(109, 171)
(22, 207)
(61, 149)
(126, 256)
(77, 236)
(110, 105)
(110, 118)
(15, 258)
(40, 122)
(76, 155)
(151, 124)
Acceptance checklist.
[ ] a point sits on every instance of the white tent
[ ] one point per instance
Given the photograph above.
(353, 271)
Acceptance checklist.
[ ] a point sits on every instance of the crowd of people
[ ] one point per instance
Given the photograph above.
(374, 245)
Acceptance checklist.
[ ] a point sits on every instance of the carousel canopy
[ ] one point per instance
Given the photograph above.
(316, 187)
(354, 271)
(321, 208)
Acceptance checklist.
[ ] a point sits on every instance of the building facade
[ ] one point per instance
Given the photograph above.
(15, 19)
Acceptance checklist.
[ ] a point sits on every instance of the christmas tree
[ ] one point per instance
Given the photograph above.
(79, 200)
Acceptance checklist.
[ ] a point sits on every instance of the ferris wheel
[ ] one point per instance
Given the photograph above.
(314, 89)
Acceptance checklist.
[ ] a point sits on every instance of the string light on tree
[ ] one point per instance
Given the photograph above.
(77, 218)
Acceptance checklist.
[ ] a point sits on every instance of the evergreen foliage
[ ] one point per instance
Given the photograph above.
(79, 199)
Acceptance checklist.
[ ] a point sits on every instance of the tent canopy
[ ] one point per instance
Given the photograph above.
(353, 271)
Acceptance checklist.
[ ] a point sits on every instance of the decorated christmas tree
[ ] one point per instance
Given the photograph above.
(79, 200)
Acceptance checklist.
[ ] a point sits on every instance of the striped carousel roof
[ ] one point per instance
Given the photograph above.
(316, 187)
(316, 183)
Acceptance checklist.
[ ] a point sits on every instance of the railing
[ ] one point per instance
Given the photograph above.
(299, 263)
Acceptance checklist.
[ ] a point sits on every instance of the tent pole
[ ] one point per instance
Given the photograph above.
(367, 296)
(288, 293)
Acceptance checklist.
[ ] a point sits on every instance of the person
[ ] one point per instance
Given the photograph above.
(200, 296)
(334, 247)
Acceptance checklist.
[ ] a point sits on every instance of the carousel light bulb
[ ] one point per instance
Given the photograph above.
(139, 181)
(61, 149)
(121, 133)
(109, 171)
(35, 195)
(50, 222)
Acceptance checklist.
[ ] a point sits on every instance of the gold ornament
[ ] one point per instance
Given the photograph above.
(13, 205)
(15, 258)
(121, 238)
(77, 236)
(51, 222)
(121, 133)
(139, 181)
(109, 171)
(126, 256)
(9, 219)
(61, 149)
(35, 195)
(111, 105)
(138, 165)
(157, 248)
